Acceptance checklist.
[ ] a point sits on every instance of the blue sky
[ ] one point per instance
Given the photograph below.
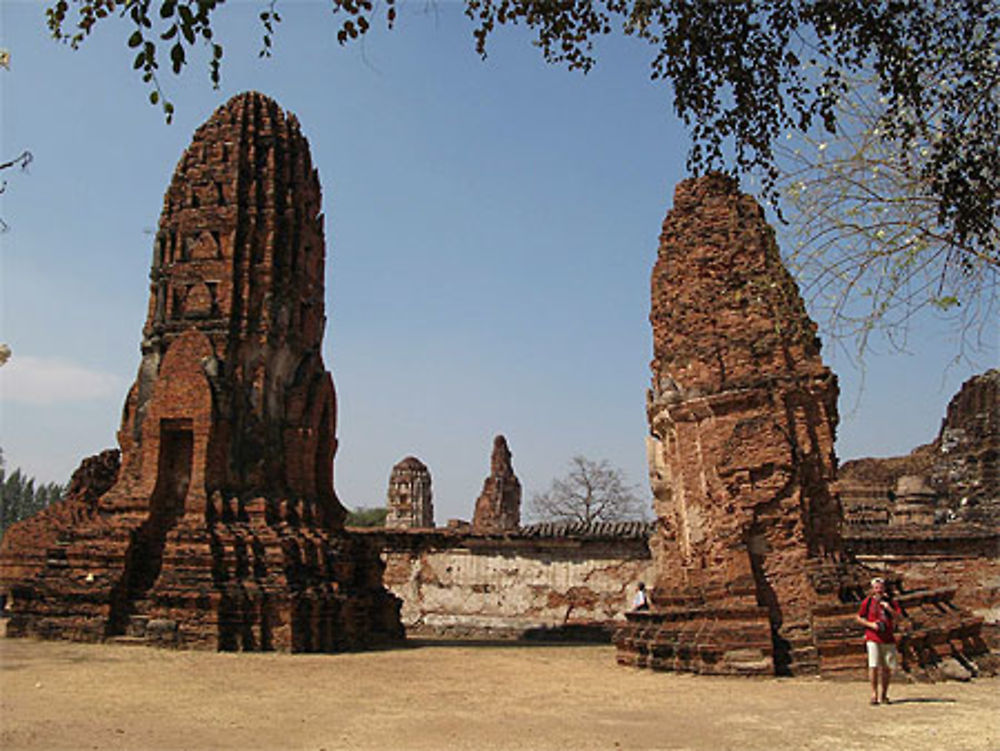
(491, 227)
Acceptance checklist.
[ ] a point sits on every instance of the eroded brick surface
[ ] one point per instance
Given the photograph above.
(25, 547)
(547, 580)
(751, 575)
(222, 528)
(498, 507)
(960, 466)
(934, 515)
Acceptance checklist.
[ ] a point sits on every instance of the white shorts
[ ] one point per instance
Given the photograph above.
(881, 654)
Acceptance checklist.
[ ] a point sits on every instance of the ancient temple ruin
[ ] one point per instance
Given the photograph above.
(496, 579)
(954, 478)
(933, 515)
(222, 528)
(498, 507)
(410, 498)
(751, 576)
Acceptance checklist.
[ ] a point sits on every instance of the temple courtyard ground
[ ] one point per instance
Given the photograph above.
(57, 695)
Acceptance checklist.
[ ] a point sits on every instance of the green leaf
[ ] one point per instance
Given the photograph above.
(177, 57)
(136, 39)
(945, 303)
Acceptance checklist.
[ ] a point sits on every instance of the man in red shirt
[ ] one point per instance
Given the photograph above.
(878, 614)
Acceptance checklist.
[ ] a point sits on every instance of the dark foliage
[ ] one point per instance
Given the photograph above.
(19, 498)
(366, 517)
(742, 74)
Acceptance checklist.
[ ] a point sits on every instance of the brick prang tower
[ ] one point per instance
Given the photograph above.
(498, 507)
(751, 572)
(237, 283)
(223, 529)
(410, 498)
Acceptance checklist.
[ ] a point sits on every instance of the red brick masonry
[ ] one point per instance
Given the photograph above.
(222, 528)
(752, 577)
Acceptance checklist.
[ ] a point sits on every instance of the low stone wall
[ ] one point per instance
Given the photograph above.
(535, 583)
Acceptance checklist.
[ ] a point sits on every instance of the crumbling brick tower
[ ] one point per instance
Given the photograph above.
(498, 507)
(223, 527)
(742, 415)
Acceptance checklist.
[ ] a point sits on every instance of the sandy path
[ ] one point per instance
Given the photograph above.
(73, 696)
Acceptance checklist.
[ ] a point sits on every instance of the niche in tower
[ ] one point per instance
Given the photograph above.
(173, 476)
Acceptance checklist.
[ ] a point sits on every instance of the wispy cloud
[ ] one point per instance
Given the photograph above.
(45, 380)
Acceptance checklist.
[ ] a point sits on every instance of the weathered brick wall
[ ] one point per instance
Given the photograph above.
(962, 556)
(977, 581)
(467, 585)
(931, 516)
(960, 465)
(24, 551)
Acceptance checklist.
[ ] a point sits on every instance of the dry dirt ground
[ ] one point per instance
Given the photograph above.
(55, 695)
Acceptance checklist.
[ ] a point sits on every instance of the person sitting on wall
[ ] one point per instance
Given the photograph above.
(878, 614)
(640, 601)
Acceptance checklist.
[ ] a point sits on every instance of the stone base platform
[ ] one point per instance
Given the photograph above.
(735, 641)
(938, 640)
(260, 576)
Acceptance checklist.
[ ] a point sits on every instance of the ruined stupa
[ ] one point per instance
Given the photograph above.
(960, 467)
(751, 576)
(410, 498)
(498, 508)
(222, 528)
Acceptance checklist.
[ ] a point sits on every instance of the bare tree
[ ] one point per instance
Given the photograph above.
(871, 248)
(590, 492)
(22, 160)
